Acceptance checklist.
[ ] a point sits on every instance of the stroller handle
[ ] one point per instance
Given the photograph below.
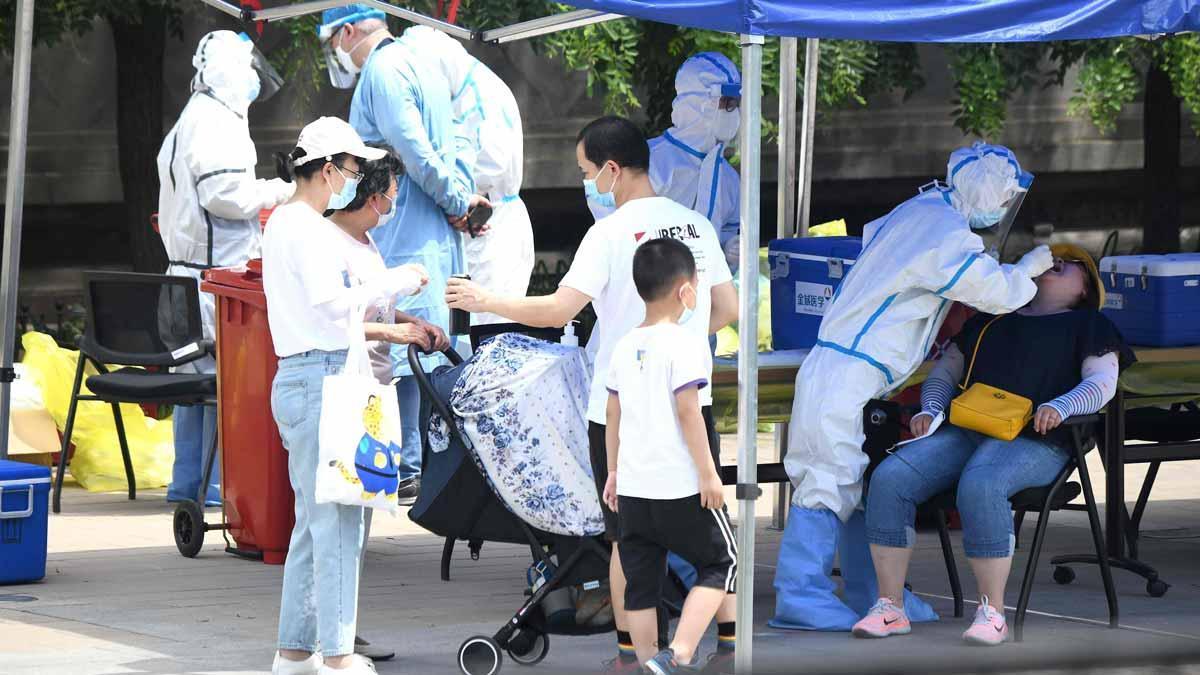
(427, 390)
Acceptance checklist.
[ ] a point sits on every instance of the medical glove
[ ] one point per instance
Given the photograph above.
(1037, 262)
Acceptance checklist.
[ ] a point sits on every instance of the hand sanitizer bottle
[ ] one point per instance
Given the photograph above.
(569, 337)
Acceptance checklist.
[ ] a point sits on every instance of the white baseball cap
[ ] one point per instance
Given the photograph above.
(329, 136)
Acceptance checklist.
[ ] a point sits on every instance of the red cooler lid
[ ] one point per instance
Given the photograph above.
(248, 277)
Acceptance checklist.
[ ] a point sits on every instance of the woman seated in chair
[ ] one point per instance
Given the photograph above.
(1059, 352)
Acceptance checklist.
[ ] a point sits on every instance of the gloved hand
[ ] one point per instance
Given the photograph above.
(1036, 262)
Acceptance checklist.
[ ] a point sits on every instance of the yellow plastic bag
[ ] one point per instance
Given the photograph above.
(727, 337)
(834, 228)
(97, 463)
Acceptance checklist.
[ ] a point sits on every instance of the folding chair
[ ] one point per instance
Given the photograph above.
(1052, 497)
(139, 321)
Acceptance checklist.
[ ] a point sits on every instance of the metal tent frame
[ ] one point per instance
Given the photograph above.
(751, 111)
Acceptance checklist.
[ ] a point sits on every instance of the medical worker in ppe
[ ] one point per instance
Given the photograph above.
(500, 259)
(916, 261)
(208, 206)
(402, 100)
(687, 163)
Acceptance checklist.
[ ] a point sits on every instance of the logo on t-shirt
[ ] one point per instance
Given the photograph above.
(641, 359)
(637, 236)
(680, 232)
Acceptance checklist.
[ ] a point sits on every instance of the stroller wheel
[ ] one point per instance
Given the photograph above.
(480, 655)
(189, 528)
(528, 647)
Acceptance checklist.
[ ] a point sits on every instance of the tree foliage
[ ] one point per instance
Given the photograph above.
(55, 19)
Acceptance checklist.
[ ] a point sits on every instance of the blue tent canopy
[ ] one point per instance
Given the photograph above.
(919, 20)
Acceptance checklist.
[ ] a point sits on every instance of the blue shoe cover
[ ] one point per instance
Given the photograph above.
(805, 596)
(858, 572)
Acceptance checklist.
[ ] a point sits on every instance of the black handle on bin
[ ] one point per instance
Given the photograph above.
(427, 390)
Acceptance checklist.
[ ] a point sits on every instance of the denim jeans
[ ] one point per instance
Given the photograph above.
(195, 426)
(988, 471)
(409, 396)
(319, 608)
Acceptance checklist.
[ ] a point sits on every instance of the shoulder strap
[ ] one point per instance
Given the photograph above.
(976, 352)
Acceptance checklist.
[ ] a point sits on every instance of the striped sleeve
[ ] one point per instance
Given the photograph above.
(939, 387)
(1099, 385)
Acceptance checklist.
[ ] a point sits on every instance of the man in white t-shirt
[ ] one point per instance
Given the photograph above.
(614, 159)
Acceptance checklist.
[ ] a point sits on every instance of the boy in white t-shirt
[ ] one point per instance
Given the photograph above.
(663, 480)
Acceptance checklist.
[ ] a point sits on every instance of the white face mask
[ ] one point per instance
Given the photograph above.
(725, 128)
(346, 60)
(385, 218)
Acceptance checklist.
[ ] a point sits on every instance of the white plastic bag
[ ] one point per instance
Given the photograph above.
(359, 433)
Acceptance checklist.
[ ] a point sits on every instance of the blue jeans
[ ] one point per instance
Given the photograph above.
(319, 609)
(408, 394)
(195, 427)
(988, 471)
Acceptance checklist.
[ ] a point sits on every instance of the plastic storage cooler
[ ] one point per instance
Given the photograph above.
(259, 504)
(805, 273)
(24, 494)
(1154, 299)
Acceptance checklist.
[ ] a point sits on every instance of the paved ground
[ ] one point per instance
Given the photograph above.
(118, 598)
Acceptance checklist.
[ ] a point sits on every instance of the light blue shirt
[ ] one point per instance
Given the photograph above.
(400, 102)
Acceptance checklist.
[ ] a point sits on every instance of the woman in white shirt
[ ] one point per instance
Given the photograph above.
(314, 278)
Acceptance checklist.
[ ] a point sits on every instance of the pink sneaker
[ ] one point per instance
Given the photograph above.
(988, 629)
(884, 620)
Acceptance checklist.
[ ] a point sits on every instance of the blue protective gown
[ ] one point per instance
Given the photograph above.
(402, 103)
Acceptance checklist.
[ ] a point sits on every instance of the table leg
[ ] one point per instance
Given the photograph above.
(1114, 476)
(783, 491)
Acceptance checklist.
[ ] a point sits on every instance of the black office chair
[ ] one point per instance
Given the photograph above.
(139, 321)
(1053, 497)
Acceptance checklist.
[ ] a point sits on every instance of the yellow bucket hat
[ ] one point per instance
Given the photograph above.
(1073, 253)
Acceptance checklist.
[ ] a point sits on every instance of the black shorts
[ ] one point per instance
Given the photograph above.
(599, 455)
(652, 527)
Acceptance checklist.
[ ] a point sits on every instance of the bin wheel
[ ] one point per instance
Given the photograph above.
(480, 655)
(189, 528)
(529, 647)
(1157, 588)
(1063, 575)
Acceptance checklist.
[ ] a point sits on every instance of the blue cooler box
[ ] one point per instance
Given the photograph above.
(805, 272)
(1154, 299)
(24, 498)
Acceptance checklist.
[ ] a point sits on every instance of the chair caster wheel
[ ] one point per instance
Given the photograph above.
(1157, 588)
(1063, 575)
(189, 528)
(480, 655)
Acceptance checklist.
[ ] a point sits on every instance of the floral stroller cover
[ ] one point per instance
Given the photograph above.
(522, 403)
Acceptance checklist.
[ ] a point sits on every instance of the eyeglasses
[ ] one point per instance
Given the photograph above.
(356, 174)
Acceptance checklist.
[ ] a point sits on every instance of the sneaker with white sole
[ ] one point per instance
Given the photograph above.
(884, 620)
(989, 628)
(309, 666)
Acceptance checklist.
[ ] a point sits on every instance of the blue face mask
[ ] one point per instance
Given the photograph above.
(688, 312)
(985, 219)
(604, 201)
(342, 199)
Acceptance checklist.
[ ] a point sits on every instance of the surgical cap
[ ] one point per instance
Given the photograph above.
(332, 19)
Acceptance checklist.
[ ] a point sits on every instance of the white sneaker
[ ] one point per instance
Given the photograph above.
(361, 665)
(309, 666)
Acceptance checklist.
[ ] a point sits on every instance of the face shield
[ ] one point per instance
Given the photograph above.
(339, 76)
(270, 81)
(1011, 208)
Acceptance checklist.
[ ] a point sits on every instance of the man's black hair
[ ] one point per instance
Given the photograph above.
(659, 264)
(377, 178)
(615, 139)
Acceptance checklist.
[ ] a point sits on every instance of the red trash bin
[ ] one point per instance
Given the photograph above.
(259, 504)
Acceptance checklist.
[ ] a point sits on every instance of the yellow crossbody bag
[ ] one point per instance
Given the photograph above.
(988, 410)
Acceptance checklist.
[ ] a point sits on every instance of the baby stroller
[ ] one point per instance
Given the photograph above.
(458, 502)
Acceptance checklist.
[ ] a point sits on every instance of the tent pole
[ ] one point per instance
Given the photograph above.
(785, 199)
(747, 487)
(14, 201)
(812, 56)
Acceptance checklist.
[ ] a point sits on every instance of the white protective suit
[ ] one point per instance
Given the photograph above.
(490, 146)
(915, 262)
(876, 331)
(687, 163)
(209, 199)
